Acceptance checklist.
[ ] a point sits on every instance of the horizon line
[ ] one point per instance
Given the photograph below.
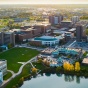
(43, 4)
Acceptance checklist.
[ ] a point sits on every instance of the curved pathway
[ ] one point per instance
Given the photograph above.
(16, 74)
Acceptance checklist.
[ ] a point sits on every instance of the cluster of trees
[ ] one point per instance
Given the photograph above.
(84, 17)
(86, 31)
(1, 49)
(70, 67)
(10, 45)
(21, 81)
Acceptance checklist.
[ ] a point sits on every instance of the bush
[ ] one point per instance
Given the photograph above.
(1, 49)
(27, 77)
(10, 45)
(20, 83)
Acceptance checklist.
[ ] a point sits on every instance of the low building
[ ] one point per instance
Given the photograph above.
(66, 24)
(47, 51)
(68, 36)
(46, 40)
(68, 51)
(85, 61)
(3, 66)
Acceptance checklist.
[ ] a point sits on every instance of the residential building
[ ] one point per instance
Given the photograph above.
(55, 19)
(80, 33)
(75, 19)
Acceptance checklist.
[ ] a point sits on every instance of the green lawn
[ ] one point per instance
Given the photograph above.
(39, 66)
(8, 75)
(25, 72)
(16, 55)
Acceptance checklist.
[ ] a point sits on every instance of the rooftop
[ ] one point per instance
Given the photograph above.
(85, 61)
(73, 29)
(1, 61)
(45, 38)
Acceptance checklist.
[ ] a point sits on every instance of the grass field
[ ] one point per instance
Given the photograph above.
(39, 66)
(8, 75)
(25, 72)
(16, 55)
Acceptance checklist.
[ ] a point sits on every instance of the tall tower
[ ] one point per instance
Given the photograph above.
(80, 33)
(55, 19)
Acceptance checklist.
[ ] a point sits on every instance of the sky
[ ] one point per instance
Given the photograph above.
(43, 1)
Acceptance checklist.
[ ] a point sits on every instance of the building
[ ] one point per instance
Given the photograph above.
(3, 66)
(75, 19)
(68, 36)
(45, 40)
(80, 33)
(55, 19)
(1, 78)
(31, 30)
(67, 51)
(20, 19)
(6, 38)
(66, 24)
(85, 61)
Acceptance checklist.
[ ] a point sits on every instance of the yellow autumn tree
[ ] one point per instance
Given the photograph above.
(77, 66)
(67, 66)
(34, 70)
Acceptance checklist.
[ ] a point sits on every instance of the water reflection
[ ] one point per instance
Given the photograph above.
(56, 81)
(47, 74)
(77, 79)
(59, 75)
(69, 78)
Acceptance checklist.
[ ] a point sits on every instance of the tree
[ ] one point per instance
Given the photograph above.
(77, 66)
(34, 70)
(10, 45)
(39, 60)
(68, 67)
(86, 31)
(1, 49)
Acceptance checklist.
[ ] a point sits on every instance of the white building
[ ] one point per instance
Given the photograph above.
(3, 66)
(47, 40)
(1, 77)
(75, 19)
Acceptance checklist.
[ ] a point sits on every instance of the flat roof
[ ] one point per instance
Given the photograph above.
(66, 21)
(1, 61)
(85, 61)
(73, 29)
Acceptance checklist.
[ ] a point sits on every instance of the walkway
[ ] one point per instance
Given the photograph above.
(16, 74)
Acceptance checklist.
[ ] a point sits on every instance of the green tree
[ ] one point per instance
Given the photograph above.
(86, 31)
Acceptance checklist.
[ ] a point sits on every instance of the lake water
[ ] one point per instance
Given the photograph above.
(56, 81)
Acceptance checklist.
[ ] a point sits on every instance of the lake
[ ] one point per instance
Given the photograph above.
(56, 81)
